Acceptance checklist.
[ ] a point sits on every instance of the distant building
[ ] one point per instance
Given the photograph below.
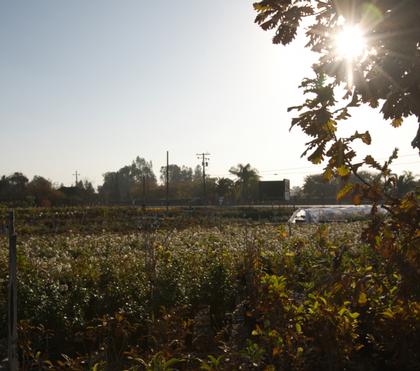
(274, 190)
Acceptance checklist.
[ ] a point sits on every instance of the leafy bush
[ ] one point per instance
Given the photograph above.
(251, 297)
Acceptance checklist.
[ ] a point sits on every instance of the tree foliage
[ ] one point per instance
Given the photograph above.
(390, 74)
(387, 76)
(247, 179)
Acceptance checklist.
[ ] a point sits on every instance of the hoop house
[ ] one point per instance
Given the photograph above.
(331, 214)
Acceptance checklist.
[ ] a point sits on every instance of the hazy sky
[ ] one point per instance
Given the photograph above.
(88, 85)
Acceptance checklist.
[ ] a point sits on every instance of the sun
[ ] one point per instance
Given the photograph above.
(350, 43)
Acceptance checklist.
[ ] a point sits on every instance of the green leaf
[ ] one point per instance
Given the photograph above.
(172, 362)
(298, 328)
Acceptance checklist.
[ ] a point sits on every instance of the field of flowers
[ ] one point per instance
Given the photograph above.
(227, 297)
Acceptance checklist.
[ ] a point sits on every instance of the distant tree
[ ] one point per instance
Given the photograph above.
(198, 174)
(318, 190)
(126, 184)
(181, 184)
(42, 191)
(177, 174)
(225, 188)
(13, 188)
(247, 179)
(88, 187)
(4, 187)
(140, 168)
(296, 192)
(405, 183)
(109, 190)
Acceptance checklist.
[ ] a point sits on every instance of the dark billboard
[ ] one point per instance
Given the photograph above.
(274, 190)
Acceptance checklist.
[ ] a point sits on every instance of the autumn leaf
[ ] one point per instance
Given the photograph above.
(356, 199)
(344, 191)
(366, 138)
(343, 170)
(328, 174)
(362, 298)
(396, 123)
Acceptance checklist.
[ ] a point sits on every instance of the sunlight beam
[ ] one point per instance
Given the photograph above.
(350, 43)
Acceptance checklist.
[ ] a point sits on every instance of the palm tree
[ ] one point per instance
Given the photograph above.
(406, 183)
(247, 176)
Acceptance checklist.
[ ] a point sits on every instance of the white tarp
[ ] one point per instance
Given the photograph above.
(331, 214)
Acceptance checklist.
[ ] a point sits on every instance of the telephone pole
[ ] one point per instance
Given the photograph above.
(144, 191)
(167, 180)
(76, 174)
(204, 163)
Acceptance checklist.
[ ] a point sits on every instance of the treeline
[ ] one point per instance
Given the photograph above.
(316, 190)
(137, 184)
(17, 190)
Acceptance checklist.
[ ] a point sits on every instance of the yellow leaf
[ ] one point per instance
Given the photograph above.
(388, 314)
(328, 174)
(342, 311)
(261, 8)
(298, 328)
(344, 191)
(354, 315)
(362, 298)
(343, 170)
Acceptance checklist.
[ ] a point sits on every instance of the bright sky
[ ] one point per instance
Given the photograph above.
(89, 85)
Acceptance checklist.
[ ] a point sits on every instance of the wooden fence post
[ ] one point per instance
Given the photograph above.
(12, 294)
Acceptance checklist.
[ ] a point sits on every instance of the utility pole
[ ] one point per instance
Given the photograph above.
(204, 163)
(12, 296)
(167, 180)
(76, 174)
(144, 191)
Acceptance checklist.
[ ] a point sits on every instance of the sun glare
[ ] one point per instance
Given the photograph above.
(350, 43)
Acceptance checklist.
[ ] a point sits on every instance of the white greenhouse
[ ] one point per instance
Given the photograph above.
(332, 214)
